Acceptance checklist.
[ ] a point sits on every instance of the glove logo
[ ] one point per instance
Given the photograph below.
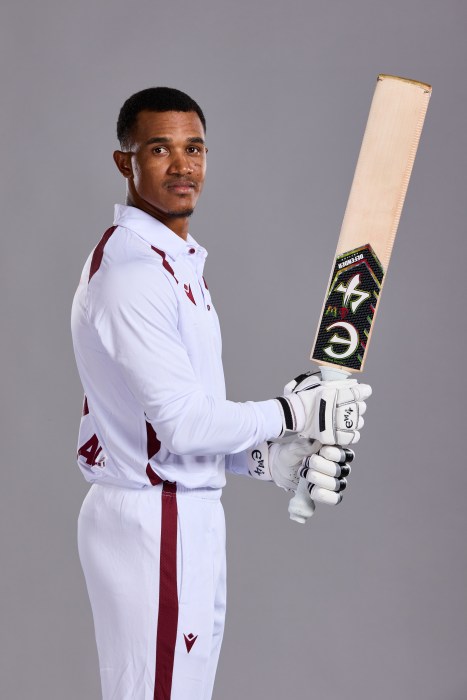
(189, 641)
(257, 457)
(348, 420)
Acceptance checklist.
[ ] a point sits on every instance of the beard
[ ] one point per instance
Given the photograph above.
(182, 214)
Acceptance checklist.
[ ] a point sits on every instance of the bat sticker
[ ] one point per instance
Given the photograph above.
(349, 308)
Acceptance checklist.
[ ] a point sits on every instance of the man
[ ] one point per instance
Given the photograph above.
(157, 431)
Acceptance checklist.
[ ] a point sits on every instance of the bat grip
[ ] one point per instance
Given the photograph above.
(301, 505)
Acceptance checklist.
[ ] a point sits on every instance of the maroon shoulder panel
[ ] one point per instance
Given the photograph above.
(165, 263)
(99, 252)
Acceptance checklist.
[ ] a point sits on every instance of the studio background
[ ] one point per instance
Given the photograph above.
(367, 601)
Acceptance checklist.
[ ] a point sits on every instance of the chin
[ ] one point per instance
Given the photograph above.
(180, 214)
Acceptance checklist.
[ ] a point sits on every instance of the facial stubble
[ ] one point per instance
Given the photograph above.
(184, 214)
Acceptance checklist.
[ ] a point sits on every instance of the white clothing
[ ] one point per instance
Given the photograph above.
(155, 430)
(148, 348)
(153, 645)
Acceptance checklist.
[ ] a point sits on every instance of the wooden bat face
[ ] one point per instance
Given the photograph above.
(370, 223)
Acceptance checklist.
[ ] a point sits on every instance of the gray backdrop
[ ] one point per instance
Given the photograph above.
(368, 600)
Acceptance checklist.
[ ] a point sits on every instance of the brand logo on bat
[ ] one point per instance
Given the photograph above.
(349, 309)
(349, 261)
(350, 342)
(351, 290)
(189, 641)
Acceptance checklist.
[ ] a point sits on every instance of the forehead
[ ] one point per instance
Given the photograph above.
(173, 125)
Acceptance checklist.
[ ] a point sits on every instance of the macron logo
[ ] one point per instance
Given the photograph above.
(189, 293)
(189, 641)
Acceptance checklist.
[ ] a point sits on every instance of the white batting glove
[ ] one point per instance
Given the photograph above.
(326, 473)
(325, 468)
(331, 412)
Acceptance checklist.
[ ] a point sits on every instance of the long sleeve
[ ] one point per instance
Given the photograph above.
(137, 323)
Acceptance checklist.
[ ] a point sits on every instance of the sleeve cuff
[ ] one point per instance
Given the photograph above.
(270, 414)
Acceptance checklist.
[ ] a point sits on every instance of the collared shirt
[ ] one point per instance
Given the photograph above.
(148, 348)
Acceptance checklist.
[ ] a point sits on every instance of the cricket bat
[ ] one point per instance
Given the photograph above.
(367, 235)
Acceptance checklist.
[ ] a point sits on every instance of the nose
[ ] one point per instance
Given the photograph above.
(180, 164)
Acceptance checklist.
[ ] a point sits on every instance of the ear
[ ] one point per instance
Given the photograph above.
(123, 162)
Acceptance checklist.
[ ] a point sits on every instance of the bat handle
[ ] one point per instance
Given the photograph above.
(301, 505)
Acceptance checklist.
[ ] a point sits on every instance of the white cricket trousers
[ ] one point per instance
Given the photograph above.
(154, 563)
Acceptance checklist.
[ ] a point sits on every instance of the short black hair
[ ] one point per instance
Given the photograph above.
(154, 99)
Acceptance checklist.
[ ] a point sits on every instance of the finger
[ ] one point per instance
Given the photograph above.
(350, 438)
(361, 407)
(337, 454)
(325, 466)
(325, 482)
(364, 391)
(319, 495)
(360, 423)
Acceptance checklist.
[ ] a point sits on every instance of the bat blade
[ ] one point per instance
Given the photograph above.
(370, 222)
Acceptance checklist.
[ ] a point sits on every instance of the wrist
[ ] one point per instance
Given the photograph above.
(293, 414)
(258, 462)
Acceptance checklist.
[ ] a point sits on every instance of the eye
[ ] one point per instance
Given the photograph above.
(196, 150)
(159, 150)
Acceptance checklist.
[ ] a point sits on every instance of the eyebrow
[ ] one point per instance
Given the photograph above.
(164, 139)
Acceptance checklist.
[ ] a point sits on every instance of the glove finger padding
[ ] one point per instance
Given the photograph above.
(326, 473)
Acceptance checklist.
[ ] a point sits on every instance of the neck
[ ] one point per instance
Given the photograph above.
(177, 224)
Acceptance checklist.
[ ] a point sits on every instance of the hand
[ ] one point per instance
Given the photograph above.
(325, 468)
(331, 412)
(327, 472)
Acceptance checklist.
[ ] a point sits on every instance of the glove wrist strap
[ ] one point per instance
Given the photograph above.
(258, 462)
(293, 414)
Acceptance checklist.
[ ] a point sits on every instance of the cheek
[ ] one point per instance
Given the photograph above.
(147, 175)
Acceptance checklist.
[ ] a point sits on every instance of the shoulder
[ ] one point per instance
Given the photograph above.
(130, 272)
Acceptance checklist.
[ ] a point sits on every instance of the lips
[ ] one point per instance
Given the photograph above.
(181, 186)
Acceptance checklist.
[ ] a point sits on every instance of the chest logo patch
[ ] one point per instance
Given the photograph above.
(189, 293)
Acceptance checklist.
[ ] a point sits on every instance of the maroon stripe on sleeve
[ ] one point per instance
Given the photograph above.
(154, 444)
(152, 476)
(99, 252)
(85, 406)
(167, 622)
(165, 263)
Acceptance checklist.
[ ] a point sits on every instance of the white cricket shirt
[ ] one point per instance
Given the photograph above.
(148, 348)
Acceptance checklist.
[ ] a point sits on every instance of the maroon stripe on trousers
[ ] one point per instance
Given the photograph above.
(99, 252)
(167, 622)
